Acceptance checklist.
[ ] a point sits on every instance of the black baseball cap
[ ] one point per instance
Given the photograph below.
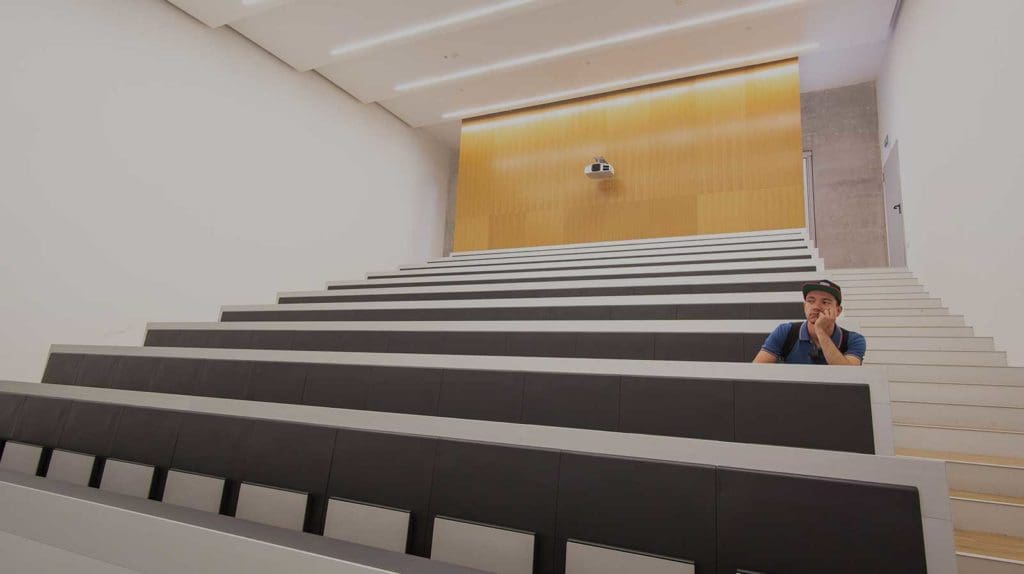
(826, 286)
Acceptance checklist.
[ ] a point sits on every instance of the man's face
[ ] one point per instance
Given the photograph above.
(815, 302)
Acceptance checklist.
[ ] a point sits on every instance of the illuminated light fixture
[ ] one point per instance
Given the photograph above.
(586, 46)
(426, 27)
(635, 81)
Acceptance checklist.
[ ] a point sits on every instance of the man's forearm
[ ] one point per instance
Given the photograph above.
(832, 353)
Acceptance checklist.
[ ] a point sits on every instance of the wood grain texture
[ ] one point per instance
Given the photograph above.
(986, 544)
(711, 154)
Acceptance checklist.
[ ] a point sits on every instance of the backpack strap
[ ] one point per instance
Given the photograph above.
(791, 338)
(844, 340)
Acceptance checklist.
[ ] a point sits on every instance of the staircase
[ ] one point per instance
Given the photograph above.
(953, 399)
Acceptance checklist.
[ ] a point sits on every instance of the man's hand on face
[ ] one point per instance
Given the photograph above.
(825, 323)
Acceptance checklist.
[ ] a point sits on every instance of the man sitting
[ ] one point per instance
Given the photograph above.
(818, 340)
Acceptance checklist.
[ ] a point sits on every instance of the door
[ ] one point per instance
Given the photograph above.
(894, 209)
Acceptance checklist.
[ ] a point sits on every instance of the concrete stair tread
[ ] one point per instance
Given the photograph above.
(1008, 461)
(984, 497)
(927, 337)
(959, 395)
(952, 404)
(990, 545)
(1002, 376)
(956, 428)
(936, 358)
(959, 415)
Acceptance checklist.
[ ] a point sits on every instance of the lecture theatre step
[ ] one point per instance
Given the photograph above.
(842, 279)
(639, 254)
(706, 239)
(883, 292)
(917, 331)
(893, 304)
(958, 394)
(992, 513)
(962, 416)
(856, 271)
(731, 283)
(986, 553)
(998, 475)
(870, 287)
(881, 320)
(768, 305)
(665, 270)
(1002, 376)
(958, 439)
(859, 311)
(630, 259)
(931, 343)
(972, 358)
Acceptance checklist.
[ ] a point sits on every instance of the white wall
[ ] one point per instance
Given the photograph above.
(950, 92)
(152, 168)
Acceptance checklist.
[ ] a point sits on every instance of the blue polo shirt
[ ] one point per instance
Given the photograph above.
(803, 352)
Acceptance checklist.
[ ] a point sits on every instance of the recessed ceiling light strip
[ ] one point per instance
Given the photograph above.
(750, 59)
(586, 46)
(426, 27)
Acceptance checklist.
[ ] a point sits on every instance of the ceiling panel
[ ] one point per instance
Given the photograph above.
(215, 13)
(685, 54)
(565, 25)
(571, 47)
(304, 33)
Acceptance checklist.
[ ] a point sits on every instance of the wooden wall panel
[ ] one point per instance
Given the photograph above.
(712, 154)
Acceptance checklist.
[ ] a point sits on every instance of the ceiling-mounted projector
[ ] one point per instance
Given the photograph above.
(600, 169)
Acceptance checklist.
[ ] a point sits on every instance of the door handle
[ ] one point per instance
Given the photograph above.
(898, 207)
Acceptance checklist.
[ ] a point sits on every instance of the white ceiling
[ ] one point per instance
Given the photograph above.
(539, 51)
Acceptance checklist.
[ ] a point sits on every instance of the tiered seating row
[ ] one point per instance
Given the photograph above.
(682, 510)
(824, 415)
(747, 282)
(726, 341)
(605, 254)
(684, 240)
(785, 305)
(611, 264)
(556, 276)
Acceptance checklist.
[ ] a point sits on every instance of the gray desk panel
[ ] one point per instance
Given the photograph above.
(127, 478)
(19, 457)
(70, 467)
(584, 558)
(478, 546)
(272, 506)
(242, 530)
(191, 490)
(367, 524)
